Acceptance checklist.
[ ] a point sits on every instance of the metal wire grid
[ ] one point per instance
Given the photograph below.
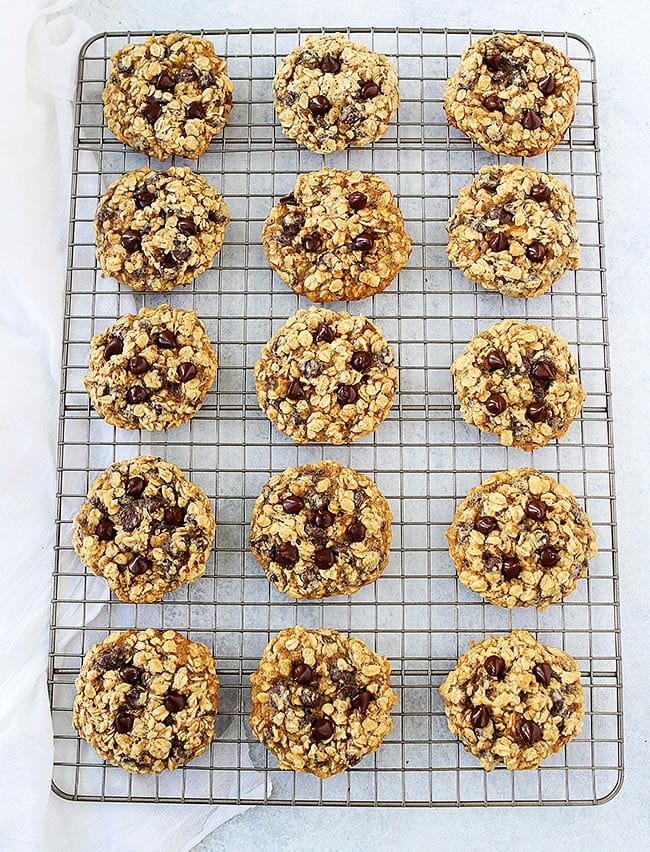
(424, 457)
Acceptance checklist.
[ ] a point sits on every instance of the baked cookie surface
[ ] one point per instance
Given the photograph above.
(326, 376)
(521, 539)
(514, 230)
(331, 92)
(151, 370)
(512, 94)
(320, 701)
(146, 700)
(336, 235)
(519, 381)
(156, 230)
(144, 528)
(170, 95)
(513, 701)
(321, 529)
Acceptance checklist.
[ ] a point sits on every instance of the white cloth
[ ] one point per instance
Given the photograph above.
(38, 52)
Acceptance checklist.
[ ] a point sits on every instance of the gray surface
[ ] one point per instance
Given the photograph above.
(617, 33)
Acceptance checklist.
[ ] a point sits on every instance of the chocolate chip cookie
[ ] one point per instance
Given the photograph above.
(151, 370)
(336, 235)
(521, 539)
(144, 528)
(146, 700)
(514, 230)
(321, 529)
(519, 381)
(327, 377)
(320, 701)
(331, 92)
(513, 94)
(156, 230)
(170, 95)
(513, 701)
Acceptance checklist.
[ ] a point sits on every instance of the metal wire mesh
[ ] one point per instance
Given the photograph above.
(423, 457)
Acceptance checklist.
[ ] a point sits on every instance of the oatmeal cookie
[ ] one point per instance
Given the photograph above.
(320, 701)
(321, 529)
(144, 528)
(513, 701)
(512, 94)
(326, 376)
(156, 230)
(151, 370)
(520, 382)
(146, 700)
(170, 95)
(336, 235)
(514, 230)
(330, 93)
(521, 539)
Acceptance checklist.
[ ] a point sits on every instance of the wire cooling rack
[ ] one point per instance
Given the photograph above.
(424, 457)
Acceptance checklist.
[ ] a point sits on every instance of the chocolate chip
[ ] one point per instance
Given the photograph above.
(195, 110)
(324, 334)
(536, 509)
(547, 85)
(164, 82)
(323, 519)
(288, 199)
(536, 412)
(123, 723)
(105, 530)
(138, 365)
(479, 717)
(498, 242)
(495, 666)
(330, 65)
(356, 531)
(504, 216)
(139, 565)
(535, 252)
(531, 120)
(324, 558)
(143, 198)
(510, 567)
(110, 659)
(544, 372)
(137, 395)
(496, 360)
(187, 227)
(361, 361)
(130, 674)
(322, 729)
(495, 62)
(369, 90)
(495, 403)
(130, 241)
(295, 390)
(302, 673)
(186, 372)
(364, 242)
(286, 554)
(114, 346)
(312, 242)
(530, 732)
(175, 702)
(485, 524)
(347, 394)
(543, 673)
(292, 505)
(540, 192)
(357, 200)
(493, 103)
(361, 701)
(309, 697)
(166, 340)
(152, 112)
(549, 557)
(174, 516)
(134, 486)
(319, 105)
